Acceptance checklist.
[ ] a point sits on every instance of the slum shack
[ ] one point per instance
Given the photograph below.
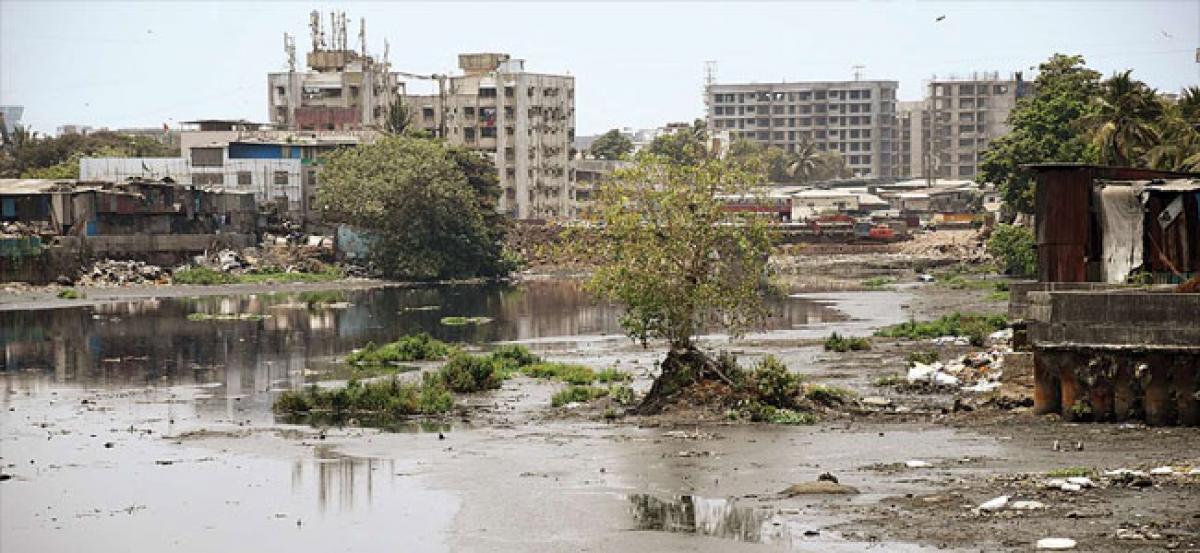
(50, 228)
(1112, 323)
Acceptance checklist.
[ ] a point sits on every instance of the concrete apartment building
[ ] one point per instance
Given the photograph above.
(949, 131)
(854, 118)
(342, 89)
(525, 121)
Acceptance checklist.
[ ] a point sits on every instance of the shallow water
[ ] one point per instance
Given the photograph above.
(129, 427)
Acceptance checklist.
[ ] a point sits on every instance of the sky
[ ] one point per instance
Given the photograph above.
(636, 64)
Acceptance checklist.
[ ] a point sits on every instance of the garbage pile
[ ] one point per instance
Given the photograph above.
(110, 273)
(17, 229)
(974, 372)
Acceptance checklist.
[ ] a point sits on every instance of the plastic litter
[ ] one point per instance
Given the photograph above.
(994, 504)
(1056, 544)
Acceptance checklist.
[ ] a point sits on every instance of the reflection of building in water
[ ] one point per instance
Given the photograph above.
(342, 481)
(706, 516)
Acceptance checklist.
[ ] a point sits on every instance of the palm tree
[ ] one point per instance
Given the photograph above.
(803, 162)
(1121, 120)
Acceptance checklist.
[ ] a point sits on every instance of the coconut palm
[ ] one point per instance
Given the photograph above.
(1178, 128)
(1121, 122)
(803, 163)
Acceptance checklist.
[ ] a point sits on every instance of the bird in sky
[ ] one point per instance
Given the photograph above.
(939, 18)
(1166, 34)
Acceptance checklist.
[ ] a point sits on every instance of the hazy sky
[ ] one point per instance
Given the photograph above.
(636, 64)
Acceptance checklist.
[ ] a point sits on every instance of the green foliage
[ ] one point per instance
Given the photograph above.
(577, 394)
(226, 316)
(1045, 127)
(687, 146)
(1015, 247)
(611, 145)
(207, 277)
(428, 208)
(388, 397)
(771, 383)
(974, 327)
(512, 357)
(566, 372)
(669, 253)
(612, 375)
(463, 321)
(622, 394)
(806, 164)
(923, 357)
(202, 276)
(789, 417)
(399, 119)
(876, 283)
(70, 294)
(843, 344)
(470, 373)
(32, 156)
(416, 347)
(1121, 121)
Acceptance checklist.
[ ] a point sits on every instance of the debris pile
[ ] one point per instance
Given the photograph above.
(109, 273)
(974, 372)
(968, 246)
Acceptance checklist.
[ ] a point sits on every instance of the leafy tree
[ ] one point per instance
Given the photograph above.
(1044, 128)
(399, 119)
(428, 208)
(1014, 247)
(611, 145)
(1178, 129)
(676, 260)
(685, 146)
(29, 155)
(1121, 123)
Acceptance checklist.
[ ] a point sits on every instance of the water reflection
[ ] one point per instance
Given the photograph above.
(154, 342)
(718, 517)
(343, 482)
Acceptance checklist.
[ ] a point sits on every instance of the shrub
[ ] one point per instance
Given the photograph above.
(772, 383)
(888, 380)
(382, 397)
(876, 283)
(417, 347)
(1068, 472)
(469, 373)
(516, 354)
(842, 344)
(622, 394)
(761, 412)
(1015, 248)
(577, 394)
(70, 294)
(202, 276)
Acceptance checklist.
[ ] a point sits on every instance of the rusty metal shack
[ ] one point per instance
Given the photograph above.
(1112, 334)
(50, 227)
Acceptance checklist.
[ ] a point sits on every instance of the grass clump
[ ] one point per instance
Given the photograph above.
(828, 395)
(205, 276)
(226, 317)
(201, 276)
(975, 327)
(566, 372)
(470, 373)
(888, 380)
(70, 294)
(772, 384)
(1068, 472)
(922, 357)
(842, 344)
(415, 347)
(463, 321)
(384, 397)
(577, 394)
(875, 283)
(612, 374)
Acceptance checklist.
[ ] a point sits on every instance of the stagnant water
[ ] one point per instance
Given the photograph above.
(98, 402)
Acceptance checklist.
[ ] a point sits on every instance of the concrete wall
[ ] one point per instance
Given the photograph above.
(1134, 320)
(261, 172)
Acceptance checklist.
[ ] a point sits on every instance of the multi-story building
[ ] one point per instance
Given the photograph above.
(525, 121)
(10, 117)
(959, 118)
(911, 119)
(343, 89)
(854, 118)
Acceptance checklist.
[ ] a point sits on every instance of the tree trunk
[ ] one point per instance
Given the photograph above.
(682, 367)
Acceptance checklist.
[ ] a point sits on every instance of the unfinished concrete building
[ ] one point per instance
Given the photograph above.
(957, 121)
(854, 118)
(343, 89)
(525, 121)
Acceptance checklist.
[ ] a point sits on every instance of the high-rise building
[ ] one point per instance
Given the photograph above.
(958, 119)
(10, 116)
(342, 89)
(525, 121)
(855, 118)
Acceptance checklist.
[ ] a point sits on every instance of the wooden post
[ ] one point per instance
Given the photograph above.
(1046, 391)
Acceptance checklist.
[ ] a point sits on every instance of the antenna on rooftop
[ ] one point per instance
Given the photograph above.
(858, 71)
(710, 72)
(362, 35)
(289, 47)
(314, 28)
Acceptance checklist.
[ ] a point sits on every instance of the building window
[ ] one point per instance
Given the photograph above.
(427, 113)
(487, 92)
(243, 178)
(208, 179)
(469, 112)
(508, 92)
(281, 177)
(469, 134)
(208, 157)
(488, 132)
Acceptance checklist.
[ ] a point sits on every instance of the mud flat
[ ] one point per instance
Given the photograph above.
(128, 427)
